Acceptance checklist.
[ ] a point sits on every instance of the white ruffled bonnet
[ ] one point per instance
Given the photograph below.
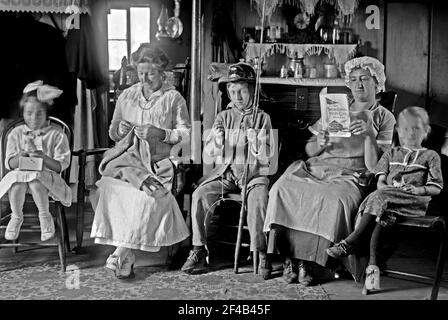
(375, 67)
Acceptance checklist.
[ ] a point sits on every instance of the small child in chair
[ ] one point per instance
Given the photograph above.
(36, 153)
(408, 176)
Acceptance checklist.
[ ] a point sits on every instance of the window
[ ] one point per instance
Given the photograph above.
(127, 29)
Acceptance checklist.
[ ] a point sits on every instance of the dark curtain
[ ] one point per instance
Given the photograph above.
(33, 51)
(226, 47)
(82, 54)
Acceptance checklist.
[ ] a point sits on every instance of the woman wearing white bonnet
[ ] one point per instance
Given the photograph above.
(374, 66)
(326, 183)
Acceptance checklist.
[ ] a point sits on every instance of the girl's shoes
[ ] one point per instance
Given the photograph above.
(372, 282)
(340, 250)
(122, 268)
(13, 228)
(46, 227)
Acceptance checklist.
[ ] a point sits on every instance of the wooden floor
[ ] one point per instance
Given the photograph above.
(413, 255)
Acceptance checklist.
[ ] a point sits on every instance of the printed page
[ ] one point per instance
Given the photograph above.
(335, 114)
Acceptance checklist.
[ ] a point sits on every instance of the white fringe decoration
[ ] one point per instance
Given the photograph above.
(340, 53)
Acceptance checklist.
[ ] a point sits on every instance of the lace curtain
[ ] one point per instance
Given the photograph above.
(54, 6)
(346, 7)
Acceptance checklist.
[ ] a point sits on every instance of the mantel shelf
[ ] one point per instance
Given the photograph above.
(309, 82)
(340, 53)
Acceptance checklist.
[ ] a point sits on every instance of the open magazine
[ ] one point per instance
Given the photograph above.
(335, 113)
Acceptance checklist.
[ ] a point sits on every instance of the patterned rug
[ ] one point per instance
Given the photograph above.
(46, 281)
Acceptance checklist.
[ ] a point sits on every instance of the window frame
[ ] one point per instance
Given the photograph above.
(119, 5)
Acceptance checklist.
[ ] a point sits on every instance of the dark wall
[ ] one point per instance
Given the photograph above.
(33, 51)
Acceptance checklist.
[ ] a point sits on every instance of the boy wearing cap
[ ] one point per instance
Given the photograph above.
(233, 141)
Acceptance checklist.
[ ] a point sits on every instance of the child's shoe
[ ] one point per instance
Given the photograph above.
(196, 261)
(305, 276)
(290, 271)
(264, 266)
(13, 228)
(340, 250)
(46, 227)
(372, 279)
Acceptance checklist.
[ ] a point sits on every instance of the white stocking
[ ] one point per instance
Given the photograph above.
(40, 197)
(17, 199)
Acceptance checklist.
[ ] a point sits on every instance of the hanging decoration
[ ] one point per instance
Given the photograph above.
(345, 7)
(55, 6)
(308, 6)
(161, 23)
(270, 7)
(338, 55)
(174, 26)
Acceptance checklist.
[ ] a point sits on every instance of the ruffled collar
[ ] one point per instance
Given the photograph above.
(39, 132)
(164, 88)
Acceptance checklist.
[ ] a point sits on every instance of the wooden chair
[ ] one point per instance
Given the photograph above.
(388, 100)
(232, 201)
(236, 199)
(182, 85)
(62, 237)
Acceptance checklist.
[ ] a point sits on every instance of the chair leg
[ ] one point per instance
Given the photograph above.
(66, 231)
(240, 228)
(440, 263)
(15, 249)
(255, 260)
(61, 239)
(80, 203)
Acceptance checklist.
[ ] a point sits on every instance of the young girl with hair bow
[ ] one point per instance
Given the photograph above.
(38, 139)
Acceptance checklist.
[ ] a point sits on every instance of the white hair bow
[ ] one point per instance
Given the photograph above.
(45, 93)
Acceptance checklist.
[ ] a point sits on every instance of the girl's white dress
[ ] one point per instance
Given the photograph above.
(54, 143)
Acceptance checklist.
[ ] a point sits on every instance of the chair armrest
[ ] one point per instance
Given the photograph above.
(89, 152)
(430, 222)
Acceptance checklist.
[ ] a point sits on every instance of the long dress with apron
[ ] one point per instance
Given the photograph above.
(124, 214)
(52, 142)
(313, 204)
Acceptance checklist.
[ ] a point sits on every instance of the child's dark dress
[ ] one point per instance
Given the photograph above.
(402, 165)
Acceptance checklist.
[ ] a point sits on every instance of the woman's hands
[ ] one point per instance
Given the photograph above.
(145, 132)
(124, 127)
(49, 162)
(148, 131)
(361, 127)
(323, 139)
